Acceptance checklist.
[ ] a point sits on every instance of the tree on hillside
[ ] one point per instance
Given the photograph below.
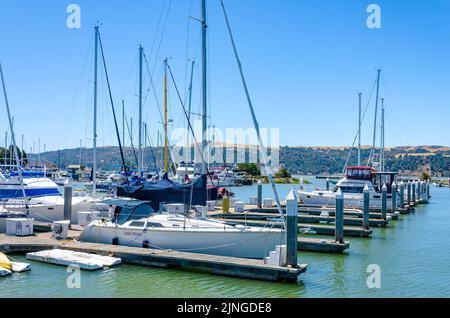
(282, 173)
(7, 157)
(249, 168)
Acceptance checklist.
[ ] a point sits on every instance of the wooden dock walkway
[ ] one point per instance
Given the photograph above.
(228, 266)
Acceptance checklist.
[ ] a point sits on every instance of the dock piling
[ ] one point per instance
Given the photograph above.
(418, 190)
(292, 228)
(366, 208)
(428, 188)
(259, 194)
(408, 195)
(300, 187)
(384, 201)
(413, 192)
(328, 184)
(339, 221)
(402, 195)
(68, 202)
(394, 197)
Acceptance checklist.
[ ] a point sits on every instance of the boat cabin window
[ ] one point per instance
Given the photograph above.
(137, 223)
(359, 174)
(153, 224)
(130, 212)
(347, 189)
(383, 178)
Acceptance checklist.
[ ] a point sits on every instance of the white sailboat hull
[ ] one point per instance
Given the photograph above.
(255, 244)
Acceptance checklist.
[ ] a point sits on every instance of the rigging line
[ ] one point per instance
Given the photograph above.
(187, 50)
(157, 104)
(150, 141)
(162, 36)
(157, 101)
(157, 28)
(112, 106)
(255, 121)
(356, 136)
(394, 111)
(87, 109)
(130, 72)
(13, 139)
(372, 150)
(131, 141)
(152, 85)
(77, 91)
(189, 124)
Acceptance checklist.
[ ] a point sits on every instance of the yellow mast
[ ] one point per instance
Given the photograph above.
(166, 148)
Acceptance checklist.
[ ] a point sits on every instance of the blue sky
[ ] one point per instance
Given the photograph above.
(305, 62)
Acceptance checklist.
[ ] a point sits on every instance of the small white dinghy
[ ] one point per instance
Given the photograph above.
(4, 272)
(70, 258)
(18, 267)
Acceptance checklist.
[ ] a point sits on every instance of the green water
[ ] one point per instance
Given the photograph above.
(413, 254)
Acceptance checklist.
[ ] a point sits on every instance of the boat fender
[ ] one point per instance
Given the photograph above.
(115, 241)
(145, 244)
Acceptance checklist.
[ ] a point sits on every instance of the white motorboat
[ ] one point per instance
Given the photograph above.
(136, 224)
(44, 200)
(62, 177)
(352, 186)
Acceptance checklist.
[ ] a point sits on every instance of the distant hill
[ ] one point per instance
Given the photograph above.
(298, 160)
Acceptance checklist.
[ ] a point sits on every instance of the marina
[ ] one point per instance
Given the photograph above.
(191, 152)
(383, 241)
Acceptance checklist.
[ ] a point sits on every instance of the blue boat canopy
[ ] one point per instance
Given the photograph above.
(167, 191)
(129, 209)
(28, 174)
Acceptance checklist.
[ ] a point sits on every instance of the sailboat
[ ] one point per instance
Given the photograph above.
(32, 192)
(358, 177)
(135, 222)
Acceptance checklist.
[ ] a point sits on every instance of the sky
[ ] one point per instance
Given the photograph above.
(305, 62)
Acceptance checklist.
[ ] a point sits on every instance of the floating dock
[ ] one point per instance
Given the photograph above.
(66, 258)
(302, 218)
(229, 266)
(321, 245)
(318, 211)
(321, 229)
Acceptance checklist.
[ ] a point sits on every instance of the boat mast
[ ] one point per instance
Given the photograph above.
(79, 159)
(166, 146)
(188, 149)
(382, 136)
(141, 157)
(359, 130)
(123, 122)
(145, 146)
(204, 87)
(255, 121)
(94, 165)
(375, 120)
(13, 139)
(22, 159)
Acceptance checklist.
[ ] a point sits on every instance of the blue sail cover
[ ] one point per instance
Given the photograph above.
(167, 191)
